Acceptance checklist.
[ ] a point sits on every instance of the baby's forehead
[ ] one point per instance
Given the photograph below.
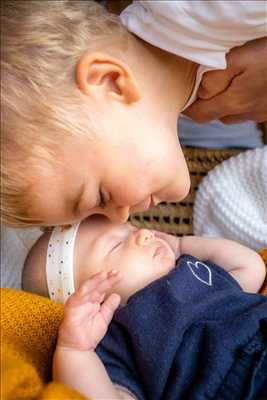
(98, 225)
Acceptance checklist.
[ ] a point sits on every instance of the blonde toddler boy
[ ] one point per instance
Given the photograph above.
(89, 110)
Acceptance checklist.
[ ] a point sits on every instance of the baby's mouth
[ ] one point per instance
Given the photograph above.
(170, 241)
(163, 248)
(159, 250)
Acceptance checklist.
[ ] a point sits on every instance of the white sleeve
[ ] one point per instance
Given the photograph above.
(202, 31)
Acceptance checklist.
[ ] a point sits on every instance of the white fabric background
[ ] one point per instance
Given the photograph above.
(15, 245)
(231, 201)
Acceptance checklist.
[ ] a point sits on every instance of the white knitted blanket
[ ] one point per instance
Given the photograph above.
(232, 200)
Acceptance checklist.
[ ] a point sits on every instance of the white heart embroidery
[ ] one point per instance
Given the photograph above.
(192, 266)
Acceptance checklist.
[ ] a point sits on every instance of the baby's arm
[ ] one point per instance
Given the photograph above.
(244, 264)
(85, 323)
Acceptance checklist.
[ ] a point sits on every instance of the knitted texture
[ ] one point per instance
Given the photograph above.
(232, 200)
(29, 325)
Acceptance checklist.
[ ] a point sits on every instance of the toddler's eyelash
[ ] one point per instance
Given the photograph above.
(102, 202)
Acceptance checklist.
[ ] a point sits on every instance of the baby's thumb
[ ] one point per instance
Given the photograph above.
(109, 307)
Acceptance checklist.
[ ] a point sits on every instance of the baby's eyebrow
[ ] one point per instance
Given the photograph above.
(113, 247)
(115, 238)
(105, 241)
(103, 244)
(112, 239)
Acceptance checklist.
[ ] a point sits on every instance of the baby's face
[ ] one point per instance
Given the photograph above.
(141, 255)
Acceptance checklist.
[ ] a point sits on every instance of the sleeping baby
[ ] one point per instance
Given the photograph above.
(152, 316)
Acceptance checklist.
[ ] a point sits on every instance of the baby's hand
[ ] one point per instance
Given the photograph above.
(86, 315)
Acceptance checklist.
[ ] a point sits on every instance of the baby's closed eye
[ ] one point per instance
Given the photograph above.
(115, 246)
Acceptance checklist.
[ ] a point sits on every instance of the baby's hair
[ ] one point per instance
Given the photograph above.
(41, 42)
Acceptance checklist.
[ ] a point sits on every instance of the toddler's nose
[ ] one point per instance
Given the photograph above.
(143, 237)
(118, 215)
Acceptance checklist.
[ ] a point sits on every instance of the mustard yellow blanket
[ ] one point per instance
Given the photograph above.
(29, 325)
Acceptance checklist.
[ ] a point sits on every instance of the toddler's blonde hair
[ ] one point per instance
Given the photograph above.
(41, 42)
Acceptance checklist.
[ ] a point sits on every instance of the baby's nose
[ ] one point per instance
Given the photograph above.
(143, 237)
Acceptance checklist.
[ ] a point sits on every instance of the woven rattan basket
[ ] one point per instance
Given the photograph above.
(177, 218)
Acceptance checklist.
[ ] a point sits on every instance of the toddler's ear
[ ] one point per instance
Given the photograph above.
(99, 74)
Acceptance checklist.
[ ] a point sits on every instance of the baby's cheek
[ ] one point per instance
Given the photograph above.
(121, 290)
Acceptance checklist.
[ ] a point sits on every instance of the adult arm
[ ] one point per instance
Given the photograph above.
(237, 93)
(244, 264)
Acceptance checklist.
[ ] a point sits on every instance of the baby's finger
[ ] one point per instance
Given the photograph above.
(103, 285)
(94, 289)
(82, 294)
(93, 297)
(113, 277)
(79, 297)
(97, 280)
(93, 282)
(109, 307)
(81, 313)
(96, 297)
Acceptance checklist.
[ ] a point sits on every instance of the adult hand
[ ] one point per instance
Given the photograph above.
(238, 93)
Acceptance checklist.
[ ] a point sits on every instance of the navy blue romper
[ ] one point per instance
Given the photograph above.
(193, 334)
